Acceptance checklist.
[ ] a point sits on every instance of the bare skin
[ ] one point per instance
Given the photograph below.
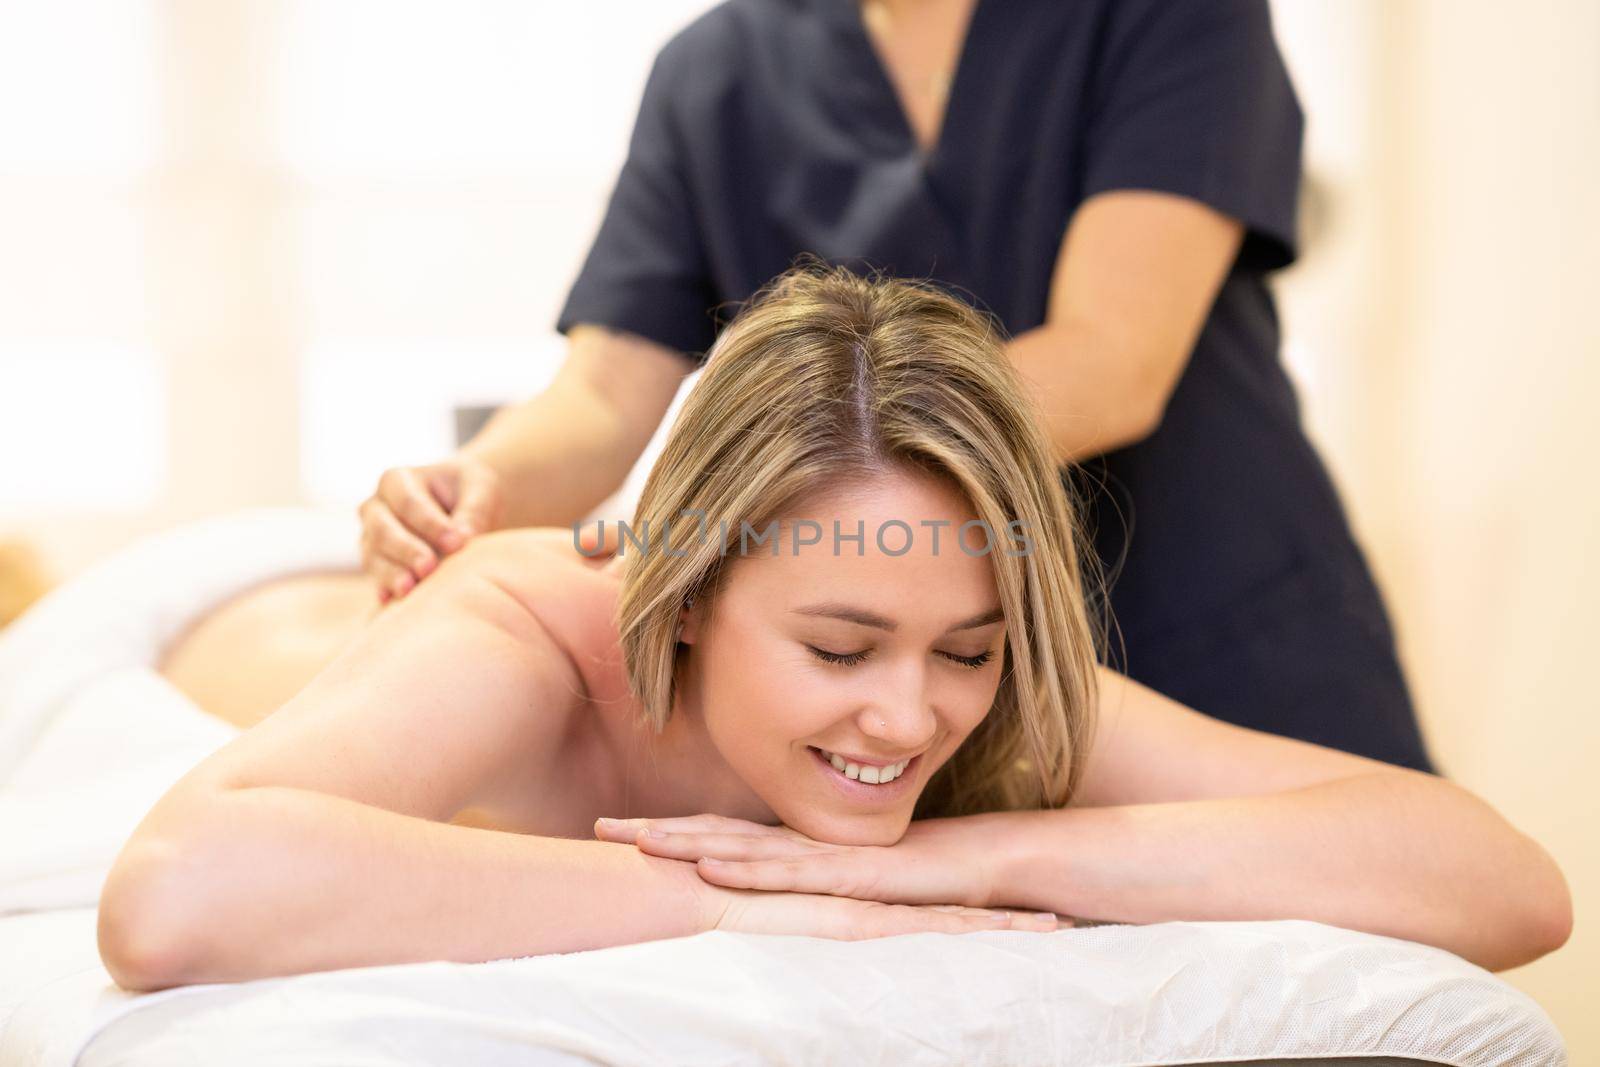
(365, 809)
(246, 657)
(919, 48)
(250, 654)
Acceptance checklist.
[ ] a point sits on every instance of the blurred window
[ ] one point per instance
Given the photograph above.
(78, 133)
(449, 164)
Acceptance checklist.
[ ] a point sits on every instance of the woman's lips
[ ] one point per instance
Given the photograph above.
(859, 791)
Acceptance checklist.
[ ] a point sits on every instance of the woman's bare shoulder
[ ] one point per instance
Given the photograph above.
(573, 596)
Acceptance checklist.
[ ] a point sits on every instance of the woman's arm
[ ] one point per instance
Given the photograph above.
(274, 880)
(318, 838)
(1185, 817)
(1134, 281)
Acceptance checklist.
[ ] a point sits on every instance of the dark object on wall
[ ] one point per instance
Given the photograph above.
(470, 419)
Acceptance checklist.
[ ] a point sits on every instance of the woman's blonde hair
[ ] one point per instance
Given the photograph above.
(827, 378)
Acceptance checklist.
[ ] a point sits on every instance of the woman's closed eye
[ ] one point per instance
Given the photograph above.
(850, 659)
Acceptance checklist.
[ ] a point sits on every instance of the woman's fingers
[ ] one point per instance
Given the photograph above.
(830, 873)
(989, 918)
(414, 505)
(888, 920)
(597, 543)
(387, 539)
(845, 919)
(392, 581)
(419, 515)
(692, 846)
(478, 508)
(627, 830)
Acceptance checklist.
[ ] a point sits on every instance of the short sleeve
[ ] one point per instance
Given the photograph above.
(646, 271)
(1191, 97)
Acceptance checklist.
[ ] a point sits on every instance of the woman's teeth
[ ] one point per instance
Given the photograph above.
(870, 775)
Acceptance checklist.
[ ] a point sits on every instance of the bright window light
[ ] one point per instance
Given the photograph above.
(381, 89)
(73, 264)
(77, 87)
(373, 404)
(82, 426)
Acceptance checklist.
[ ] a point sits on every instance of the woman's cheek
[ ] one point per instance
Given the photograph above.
(810, 701)
(977, 701)
(793, 699)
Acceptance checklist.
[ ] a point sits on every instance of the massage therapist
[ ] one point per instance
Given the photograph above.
(1114, 181)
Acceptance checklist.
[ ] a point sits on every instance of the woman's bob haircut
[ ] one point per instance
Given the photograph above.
(827, 378)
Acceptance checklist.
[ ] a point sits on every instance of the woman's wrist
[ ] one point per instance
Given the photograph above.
(1024, 857)
(708, 903)
(989, 860)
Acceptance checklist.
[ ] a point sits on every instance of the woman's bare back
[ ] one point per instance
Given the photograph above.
(246, 658)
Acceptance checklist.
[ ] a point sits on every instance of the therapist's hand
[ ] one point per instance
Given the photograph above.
(937, 861)
(419, 515)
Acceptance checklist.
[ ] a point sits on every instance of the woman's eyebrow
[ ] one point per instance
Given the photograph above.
(863, 617)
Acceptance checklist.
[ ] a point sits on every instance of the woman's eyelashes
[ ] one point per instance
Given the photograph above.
(850, 659)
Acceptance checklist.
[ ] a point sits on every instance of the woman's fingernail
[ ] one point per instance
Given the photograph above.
(656, 833)
(1048, 916)
(450, 540)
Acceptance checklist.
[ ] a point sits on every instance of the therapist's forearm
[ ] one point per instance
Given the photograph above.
(1095, 392)
(559, 454)
(275, 880)
(1396, 853)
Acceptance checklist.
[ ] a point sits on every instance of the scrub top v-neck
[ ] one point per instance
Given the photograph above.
(886, 100)
(769, 128)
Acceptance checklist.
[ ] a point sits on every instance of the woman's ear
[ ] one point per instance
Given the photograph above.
(689, 622)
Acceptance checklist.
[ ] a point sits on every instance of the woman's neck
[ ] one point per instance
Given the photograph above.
(679, 771)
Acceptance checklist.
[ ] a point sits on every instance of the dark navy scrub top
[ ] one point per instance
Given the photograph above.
(770, 128)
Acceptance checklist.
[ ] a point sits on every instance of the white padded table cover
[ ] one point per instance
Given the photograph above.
(1168, 993)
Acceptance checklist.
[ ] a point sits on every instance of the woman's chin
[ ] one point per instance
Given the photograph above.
(843, 828)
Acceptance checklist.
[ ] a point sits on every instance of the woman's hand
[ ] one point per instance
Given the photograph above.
(938, 861)
(419, 515)
(752, 911)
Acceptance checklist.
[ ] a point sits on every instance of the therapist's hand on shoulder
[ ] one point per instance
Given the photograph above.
(419, 515)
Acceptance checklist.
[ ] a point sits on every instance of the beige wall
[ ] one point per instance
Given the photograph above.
(1455, 311)
(1498, 355)
(1443, 324)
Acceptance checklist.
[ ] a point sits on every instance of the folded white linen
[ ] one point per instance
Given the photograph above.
(40, 948)
(124, 610)
(109, 752)
(90, 734)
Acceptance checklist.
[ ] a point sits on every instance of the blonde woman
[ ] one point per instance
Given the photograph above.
(856, 669)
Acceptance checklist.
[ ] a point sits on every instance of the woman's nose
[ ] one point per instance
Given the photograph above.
(902, 719)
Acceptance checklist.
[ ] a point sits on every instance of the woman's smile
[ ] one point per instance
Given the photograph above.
(856, 790)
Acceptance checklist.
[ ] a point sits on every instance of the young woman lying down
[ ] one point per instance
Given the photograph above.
(840, 682)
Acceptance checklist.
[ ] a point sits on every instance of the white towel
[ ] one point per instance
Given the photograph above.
(90, 734)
